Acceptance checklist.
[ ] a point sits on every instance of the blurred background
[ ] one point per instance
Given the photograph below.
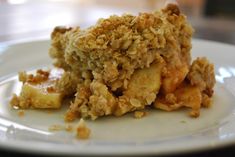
(23, 19)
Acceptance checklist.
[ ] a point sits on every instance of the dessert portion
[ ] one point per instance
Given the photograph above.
(126, 63)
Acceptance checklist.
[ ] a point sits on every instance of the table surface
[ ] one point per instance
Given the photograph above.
(37, 19)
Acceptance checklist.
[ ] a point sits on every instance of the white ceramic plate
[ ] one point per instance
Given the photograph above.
(158, 133)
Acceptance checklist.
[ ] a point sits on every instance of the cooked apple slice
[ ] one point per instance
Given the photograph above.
(185, 96)
(174, 78)
(142, 88)
(145, 81)
(38, 91)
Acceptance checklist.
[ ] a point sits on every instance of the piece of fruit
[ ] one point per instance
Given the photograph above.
(38, 91)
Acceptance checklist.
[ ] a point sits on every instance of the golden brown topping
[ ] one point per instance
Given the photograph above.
(43, 73)
(39, 77)
(172, 9)
(202, 74)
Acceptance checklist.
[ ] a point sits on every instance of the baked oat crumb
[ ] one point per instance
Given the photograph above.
(56, 127)
(83, 132)
(69, 128)
(139, 114)
(69, 116)
(14, 100)
(40, 76)
(206, 101)
(22, 76)
(21, 113)
(194, 114)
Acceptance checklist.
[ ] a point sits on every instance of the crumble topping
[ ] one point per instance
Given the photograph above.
(40, 76)
(124, 64)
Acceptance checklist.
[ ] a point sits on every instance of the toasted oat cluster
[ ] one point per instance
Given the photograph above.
(125, 63)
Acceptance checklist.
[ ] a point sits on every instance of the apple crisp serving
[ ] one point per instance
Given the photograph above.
(123, 64)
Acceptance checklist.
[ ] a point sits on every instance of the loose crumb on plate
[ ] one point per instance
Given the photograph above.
(56, 127)
(139, 114)
(49, 111)
(183, 121)
(83, 132)
(69, 128)
(21, 113)
(15, 100)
